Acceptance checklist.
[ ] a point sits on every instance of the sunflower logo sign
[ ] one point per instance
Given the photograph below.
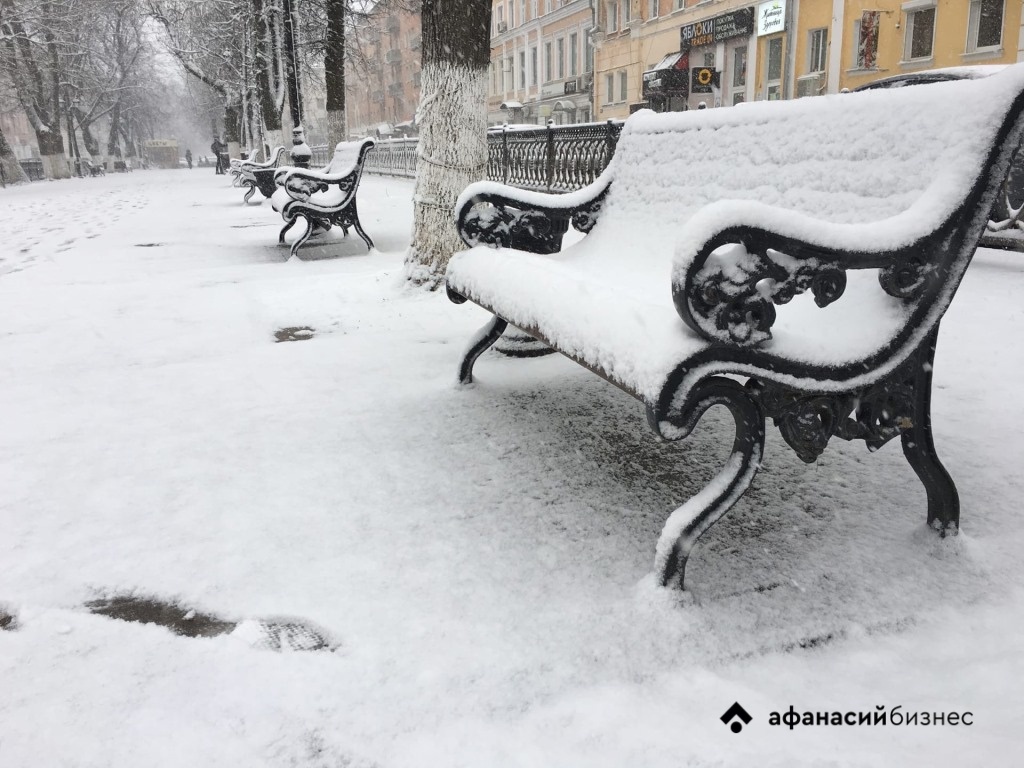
(703, 80)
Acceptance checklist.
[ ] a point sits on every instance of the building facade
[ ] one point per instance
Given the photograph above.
(681, 54)
(382, 84)
(542, 62)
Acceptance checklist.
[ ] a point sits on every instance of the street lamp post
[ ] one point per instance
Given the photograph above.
(301, 153)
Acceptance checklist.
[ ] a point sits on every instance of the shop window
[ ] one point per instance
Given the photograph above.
(817, 50)
(985, 25)
(920, 34)
(739, 67)
(773, 69)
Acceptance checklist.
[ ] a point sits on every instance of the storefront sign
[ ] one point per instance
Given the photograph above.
(703, 80)
(736, 24)
(771, 17)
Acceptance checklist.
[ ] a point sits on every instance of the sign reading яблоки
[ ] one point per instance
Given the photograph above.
(728, 25)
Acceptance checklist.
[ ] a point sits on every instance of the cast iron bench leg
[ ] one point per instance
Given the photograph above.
(288, 225)
(252, 189)
(696, 516)
(310, 226)
(918, 447)
(479, 344)
(359, 227)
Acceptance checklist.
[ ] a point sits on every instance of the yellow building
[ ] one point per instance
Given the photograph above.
(649, 52)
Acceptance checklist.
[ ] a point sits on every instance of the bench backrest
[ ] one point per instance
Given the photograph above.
(846, 158)
(348, 155)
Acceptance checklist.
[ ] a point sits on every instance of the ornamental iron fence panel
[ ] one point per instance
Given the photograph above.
(553, 158)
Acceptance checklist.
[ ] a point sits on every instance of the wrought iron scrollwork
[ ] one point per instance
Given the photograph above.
(529, 229)
(585, 217)
(732, 296)
(807, 422)
(907, 278)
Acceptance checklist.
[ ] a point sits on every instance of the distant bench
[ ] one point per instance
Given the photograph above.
(256, 175)
(324, 198)
(872, 203)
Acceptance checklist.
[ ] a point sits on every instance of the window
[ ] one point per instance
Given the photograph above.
(533, 9)
(627, 6)
(678, 4)
(622, 85)
(613, 17)
(817, 50)
(574, 54)
(652, 9)
(866, 44)
(709, 59)
(547, 6)
(547, 62)
(609, 89)
(588, 65)
(511, 14)
(773, 69)
(985, 25)
(533, 65)
(739, 68)
(560, 48)
(522, 12)
(522, 69)
(920, 34)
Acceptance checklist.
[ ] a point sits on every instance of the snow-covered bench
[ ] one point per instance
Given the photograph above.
(872, 203)
(325, 197)
(255, 175)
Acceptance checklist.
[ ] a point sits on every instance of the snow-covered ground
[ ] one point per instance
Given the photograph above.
(479, 558)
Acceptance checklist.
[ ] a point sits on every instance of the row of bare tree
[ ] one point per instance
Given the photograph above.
(78, 64)
(72, 65)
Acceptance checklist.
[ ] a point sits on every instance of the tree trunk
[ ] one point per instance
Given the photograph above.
(232, 128)
(452, 116)
(334, 71)
(10, 170)
(113, 145)
(291, 73)
(265, 64)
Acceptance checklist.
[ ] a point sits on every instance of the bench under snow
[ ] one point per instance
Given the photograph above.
(256, 175)
(870, 203)
(324, 198)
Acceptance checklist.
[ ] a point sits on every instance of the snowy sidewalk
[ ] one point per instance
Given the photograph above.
(480, 557)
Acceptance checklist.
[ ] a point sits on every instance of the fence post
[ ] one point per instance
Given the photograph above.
(550, 169)
(504, 154)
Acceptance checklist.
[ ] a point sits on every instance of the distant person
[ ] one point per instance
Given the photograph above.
(217, 148)
(188, 158)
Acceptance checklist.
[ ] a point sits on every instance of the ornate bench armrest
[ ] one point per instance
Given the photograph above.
(741, 259)
(499, 215)
(301, 183)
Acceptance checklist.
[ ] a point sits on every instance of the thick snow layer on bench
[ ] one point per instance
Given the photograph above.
(343, 163)
(898, 161)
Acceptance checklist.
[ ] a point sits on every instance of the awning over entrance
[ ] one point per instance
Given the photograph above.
(511, 105)
(670, 77)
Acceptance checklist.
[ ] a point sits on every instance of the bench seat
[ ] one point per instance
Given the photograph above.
(808, 247)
